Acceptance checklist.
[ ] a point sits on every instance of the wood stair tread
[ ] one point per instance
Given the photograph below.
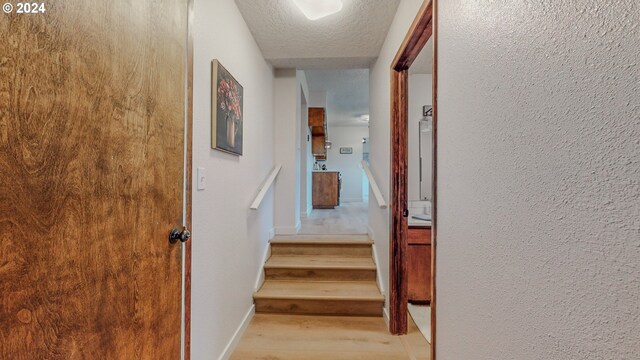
(322, 240)
(319, 262)
(320, 290)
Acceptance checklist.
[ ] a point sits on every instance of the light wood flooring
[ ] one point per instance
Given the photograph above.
(348, 218)
(295, 337)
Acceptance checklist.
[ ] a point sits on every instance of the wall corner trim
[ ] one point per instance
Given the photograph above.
(377, 262)
(235, 339)
(385, 316)
(261, 276)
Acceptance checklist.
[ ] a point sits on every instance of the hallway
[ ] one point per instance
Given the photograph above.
(295, 337)
(320, 299)
(282, 179)
(346, 219)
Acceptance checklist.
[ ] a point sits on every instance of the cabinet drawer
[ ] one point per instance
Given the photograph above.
(419, 236)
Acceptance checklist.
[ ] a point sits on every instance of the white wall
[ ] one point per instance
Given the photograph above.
(288, 89)
(349, 165)
(539, 180)
(379, 118)
(419, 95)
(306, 158)
(229, 240)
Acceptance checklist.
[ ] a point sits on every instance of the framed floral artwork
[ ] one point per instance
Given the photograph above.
(226, 111)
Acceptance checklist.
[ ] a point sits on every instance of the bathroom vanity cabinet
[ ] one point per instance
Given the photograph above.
(419, 264)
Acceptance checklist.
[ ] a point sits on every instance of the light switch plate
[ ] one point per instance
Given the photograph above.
(202, 179)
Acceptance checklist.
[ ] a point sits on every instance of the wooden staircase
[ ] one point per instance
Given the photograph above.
(320, 276)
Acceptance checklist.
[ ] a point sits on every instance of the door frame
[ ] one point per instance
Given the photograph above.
(421, 30)
(188, 180)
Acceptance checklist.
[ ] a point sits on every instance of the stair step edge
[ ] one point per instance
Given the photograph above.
(320, 266)
(322, 242)
(258, 296)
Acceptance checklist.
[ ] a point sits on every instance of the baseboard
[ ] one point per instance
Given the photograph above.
(385, 315)
(286, 230)
(235, 339)
(260, 277)
(371, 234)
(272, 233)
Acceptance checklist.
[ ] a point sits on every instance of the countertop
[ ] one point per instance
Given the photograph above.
(418, 223)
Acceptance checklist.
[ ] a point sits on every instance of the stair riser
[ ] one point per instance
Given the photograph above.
(341, 250)
(320, 307)
(321, 274)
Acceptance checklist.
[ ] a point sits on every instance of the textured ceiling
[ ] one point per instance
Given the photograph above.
(347, 94)
(351, 38)
(424, 62)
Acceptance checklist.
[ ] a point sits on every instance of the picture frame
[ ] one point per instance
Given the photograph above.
(346, 150)
(226, 110)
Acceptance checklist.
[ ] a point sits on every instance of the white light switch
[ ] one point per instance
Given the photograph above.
(202, 179)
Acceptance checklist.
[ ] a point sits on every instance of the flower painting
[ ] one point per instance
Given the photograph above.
(226, 111)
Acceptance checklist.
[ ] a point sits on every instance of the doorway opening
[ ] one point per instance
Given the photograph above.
(334, 143)
(413, 207)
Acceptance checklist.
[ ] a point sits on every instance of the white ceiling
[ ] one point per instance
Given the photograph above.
(423, 64)
(347, 94)
(351, 38)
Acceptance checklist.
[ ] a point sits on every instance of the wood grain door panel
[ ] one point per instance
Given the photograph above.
(91, 159)
(419, 273)
(419, 235)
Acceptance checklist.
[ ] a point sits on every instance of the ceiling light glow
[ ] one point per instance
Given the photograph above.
(317, 9)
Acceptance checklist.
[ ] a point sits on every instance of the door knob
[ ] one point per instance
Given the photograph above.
(178, 234)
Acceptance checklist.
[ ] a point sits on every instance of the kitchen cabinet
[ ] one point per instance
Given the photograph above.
(317, 146)
(326, 189)
(318, 125)
(419, 264)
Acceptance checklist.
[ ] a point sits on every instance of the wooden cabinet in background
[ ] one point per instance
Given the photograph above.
(318, 126)
(419, 264)
(317, 145)
(326, 189)
(316, 120)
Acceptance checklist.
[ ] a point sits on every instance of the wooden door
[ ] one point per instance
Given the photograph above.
(92, 104)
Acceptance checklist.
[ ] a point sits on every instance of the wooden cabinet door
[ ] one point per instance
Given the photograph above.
(92, 162)
(419, 273)
(317, 145)
(316, 118)
(325, 190)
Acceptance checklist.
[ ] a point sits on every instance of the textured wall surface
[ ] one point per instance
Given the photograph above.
(349, 38)
(539, 180)
(228, 238)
